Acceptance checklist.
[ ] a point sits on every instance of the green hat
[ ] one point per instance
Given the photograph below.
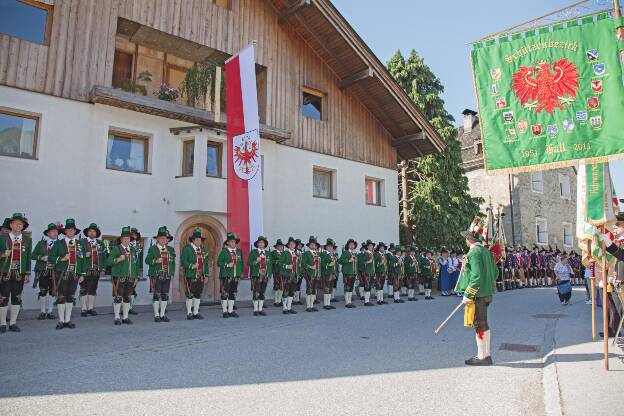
(381, 244)
(18, 216)
(291, 240)
(262, 238)
(126, 232)
(369, 242)
(471, 236)
(399, 247)
(312, 240)
(232, 237)
(350, 241)
(298, 241)
(413, 247)
(197, 233)
(279, 242)
(93, 226)
(164, 232)
(133, 230)
(330, 242)
(5, 224)
(70, 223)
(363, 245)
(391, 245)
(51, 227)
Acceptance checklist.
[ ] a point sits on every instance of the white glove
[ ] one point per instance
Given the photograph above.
(466, 300)
(606, 239)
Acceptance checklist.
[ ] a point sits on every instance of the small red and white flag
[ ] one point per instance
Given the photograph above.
(244, 169)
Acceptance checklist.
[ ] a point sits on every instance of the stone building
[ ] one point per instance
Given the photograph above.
(542, 204)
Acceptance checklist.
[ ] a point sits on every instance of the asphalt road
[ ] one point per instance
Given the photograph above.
(366, 361)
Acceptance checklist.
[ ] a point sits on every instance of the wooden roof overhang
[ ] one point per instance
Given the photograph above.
(357, 69)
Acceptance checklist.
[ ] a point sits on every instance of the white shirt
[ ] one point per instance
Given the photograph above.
(563, 271)
(194, 247)
(160, 247)
(15, 237)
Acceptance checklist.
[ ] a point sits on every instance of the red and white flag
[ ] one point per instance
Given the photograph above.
(244, 169)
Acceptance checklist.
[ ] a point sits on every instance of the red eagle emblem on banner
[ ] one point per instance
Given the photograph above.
(246, 154)
(545, 88)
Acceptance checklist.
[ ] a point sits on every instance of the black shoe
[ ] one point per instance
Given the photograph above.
(133, 312)
(255, 313)
(378, 302)
(475, 361)
(164, 319)
(349, 305)
(83, 313)
(92, 312)
(189, 317)
(60, 325)
(368, 304)
(361, 297)
(285, 312)
(397, 301)
(314, 309)
(277, 304)
(3, 329)
(326, 307)
(292, 312)
(14, 328)
(316, 301)
(41, 316)
(50, 316)
(157, 319)
(332, 307)
(126, 321)
(70, 325)
(383, 302)
(401, 301)
(225, 315)
(233, 315)
(263, 313)
(421, 293)
(117, 322)
(234, 308)
(309, 310)
(198, 316)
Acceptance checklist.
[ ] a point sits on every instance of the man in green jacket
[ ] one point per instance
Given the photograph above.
(194, 261)
(311, 270)
(348, 262)
(411, 271)
(290, 269)
(161, 261)
(45, 273)
(94, 262)
(231, 262)
(260, 271)
(478, 283)
(278, 284)
(426, 273)
(329, 272)
(15, 255)
(366, 266)
(136, 241)
(123, 260)
(381, 272)
(68, 256)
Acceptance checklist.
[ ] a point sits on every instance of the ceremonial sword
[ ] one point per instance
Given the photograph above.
(447, 318)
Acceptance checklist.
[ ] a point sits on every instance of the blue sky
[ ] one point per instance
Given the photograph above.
(439, 31)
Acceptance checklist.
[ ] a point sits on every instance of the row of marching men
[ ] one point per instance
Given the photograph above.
(523, 268)
(64, 261)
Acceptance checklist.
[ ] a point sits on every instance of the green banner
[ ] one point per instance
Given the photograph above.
(549, 98)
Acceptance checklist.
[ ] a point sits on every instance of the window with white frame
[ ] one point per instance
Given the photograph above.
(537, 182)
(567, 234)
(323, 183)
(541, 231)
(564, 186)
(127, 152)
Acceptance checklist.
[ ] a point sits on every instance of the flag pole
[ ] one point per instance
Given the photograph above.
(619, 31)
(605, 304)
(592, 278)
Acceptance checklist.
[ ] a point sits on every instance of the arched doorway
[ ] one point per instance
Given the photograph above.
(214, 232)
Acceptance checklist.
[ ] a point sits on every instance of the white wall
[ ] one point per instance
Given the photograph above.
(69, 179)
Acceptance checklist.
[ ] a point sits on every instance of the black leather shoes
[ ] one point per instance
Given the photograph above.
(477, 362)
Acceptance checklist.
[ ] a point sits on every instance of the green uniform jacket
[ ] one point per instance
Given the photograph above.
(224, 259)
(5, 262)
(153, 254)
(411, 265)
(399, 266)
(425, 267)
(255, 267)
(392, 261)
(189, 261)
(88, 261)
(349, 262)
(129, 267)
(59, 250)
(307, 265)
(478, 274)
(381, 263)
(276, 259)
(285, 265)
(327, 268)
(363, 263)
(40, 250)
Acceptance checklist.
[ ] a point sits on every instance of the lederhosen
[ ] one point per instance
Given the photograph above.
(427, 278)
(367, 278)
(312, 280)
(348, 280)
(481, 307)
(67, 281)
(290, 280)
(229, 285)
(124, 285)
(12, 282)
(411, 276)
(259, 282)
(162, 281)
(278, 280)
(195, 284)
(46, 277)
(92, 274)
(380, 278)
(399, 277)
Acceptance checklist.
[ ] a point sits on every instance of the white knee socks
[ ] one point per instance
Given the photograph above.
(43, 300)
(116, 310)
(14, 312)
(83, 303)
(68, 310)
(61, 312)
(224, 306)
(366, 297)
(125, 308)
(427, 292)
(486, 338)
(230, 306)
(397, 295)
(390, 290)
(196, 303)
(255, 305)
(379, 296)
(156, 305)
(348, 297)
(410, 293)
(163, 307)
(260, 305)
(91, 302)
(3, 315)
(189, 305)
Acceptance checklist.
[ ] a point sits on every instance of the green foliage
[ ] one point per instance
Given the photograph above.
(197, 81)
(439, 205)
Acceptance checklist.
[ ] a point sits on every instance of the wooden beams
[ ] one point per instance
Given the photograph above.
(400, 141)
(295, 8)
(358, 76)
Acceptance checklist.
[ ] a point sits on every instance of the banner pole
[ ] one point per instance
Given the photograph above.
(592, 280)
(619, 31)
(605, 304)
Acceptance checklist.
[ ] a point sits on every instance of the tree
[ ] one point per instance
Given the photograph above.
(439, 205)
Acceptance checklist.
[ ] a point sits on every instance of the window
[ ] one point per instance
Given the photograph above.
(213, 159)
(373, 191)
(541, 231)
(226, 4)
(18, 134)
(312, 104)
(564, 187)
(537, 182)
(127, 152)
(322, 183)
(26, 19)
(188, 157)
(567, 234)
(122, 68)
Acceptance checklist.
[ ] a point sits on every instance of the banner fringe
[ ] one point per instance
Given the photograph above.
(551, 165)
